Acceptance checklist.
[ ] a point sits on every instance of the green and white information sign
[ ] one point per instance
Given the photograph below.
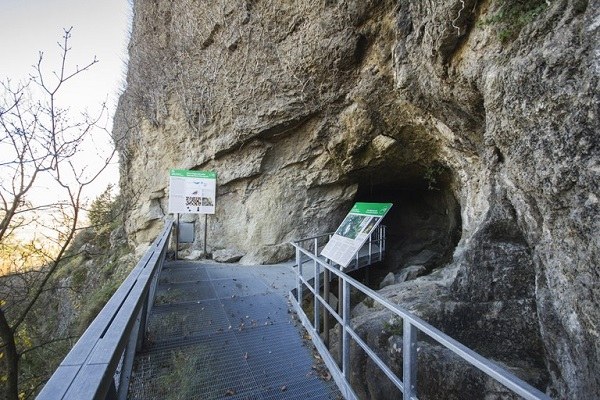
(192, 192)
(354, 231)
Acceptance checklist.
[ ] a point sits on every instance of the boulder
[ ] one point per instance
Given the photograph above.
(227, 255)
(388, 280)
(192, 255)
(411, 272)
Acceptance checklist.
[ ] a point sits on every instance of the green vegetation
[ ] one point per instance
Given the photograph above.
(95, 268)
(168, 297)
(188, 371)
(170, 324)
(97, 299)
(369, 302)
(393, 326)
(182, 376)
(81, 285)
(433, 174)
(104, 215)
(512, 15)
(41, 147)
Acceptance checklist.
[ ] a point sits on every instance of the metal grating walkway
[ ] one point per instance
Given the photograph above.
(221, 331)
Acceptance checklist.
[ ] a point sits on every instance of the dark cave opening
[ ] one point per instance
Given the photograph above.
(424, 224)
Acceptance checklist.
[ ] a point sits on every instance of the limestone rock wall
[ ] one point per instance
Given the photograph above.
(301, 107)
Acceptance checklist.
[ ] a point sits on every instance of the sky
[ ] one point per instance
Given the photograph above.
(100, 29)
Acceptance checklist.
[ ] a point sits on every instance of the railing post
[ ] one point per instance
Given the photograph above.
(325, 312)
(299, 284)
(380, 241)
(317, 288)
(112, 392)
(148, 302)
(409, 360)
(341, 313)
(411, 326)
(145, 313)
(346, 336)
(177, 238)
(370, 247)
(128, 358)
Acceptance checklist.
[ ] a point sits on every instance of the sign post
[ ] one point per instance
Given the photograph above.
(354, 231)
(192, 192)
(205, 229)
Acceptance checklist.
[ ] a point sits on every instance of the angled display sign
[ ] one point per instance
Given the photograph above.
(354, 231)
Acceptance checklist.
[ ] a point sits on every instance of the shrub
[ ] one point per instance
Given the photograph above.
(512, 15)
(104, 215)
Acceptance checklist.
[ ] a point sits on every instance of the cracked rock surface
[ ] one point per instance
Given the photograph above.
(479, 119)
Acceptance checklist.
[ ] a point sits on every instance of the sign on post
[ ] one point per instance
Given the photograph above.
(192, 192)
(354, 231)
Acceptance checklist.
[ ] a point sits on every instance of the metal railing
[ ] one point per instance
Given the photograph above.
(99, 365)
(371, 252)
(307, 251)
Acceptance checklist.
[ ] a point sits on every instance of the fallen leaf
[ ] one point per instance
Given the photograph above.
(283, 388)
(245, 355)
(326, 376)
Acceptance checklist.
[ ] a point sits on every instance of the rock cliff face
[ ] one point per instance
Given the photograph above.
(478, 119)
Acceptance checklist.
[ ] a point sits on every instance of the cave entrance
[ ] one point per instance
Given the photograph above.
(424, 225)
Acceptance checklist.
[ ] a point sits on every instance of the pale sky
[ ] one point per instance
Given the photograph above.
(100, 28)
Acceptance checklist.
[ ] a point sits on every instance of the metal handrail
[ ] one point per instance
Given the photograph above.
(375, 245)
(99, 365)
(411, 326)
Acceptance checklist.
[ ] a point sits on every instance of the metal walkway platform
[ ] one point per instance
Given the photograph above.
(221, 331)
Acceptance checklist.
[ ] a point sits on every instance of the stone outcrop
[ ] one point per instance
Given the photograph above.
(478, 120)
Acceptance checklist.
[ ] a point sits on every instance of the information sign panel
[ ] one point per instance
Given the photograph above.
(192, 192)
(354, 231)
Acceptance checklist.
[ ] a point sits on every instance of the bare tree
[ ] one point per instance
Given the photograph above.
(43, 179)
